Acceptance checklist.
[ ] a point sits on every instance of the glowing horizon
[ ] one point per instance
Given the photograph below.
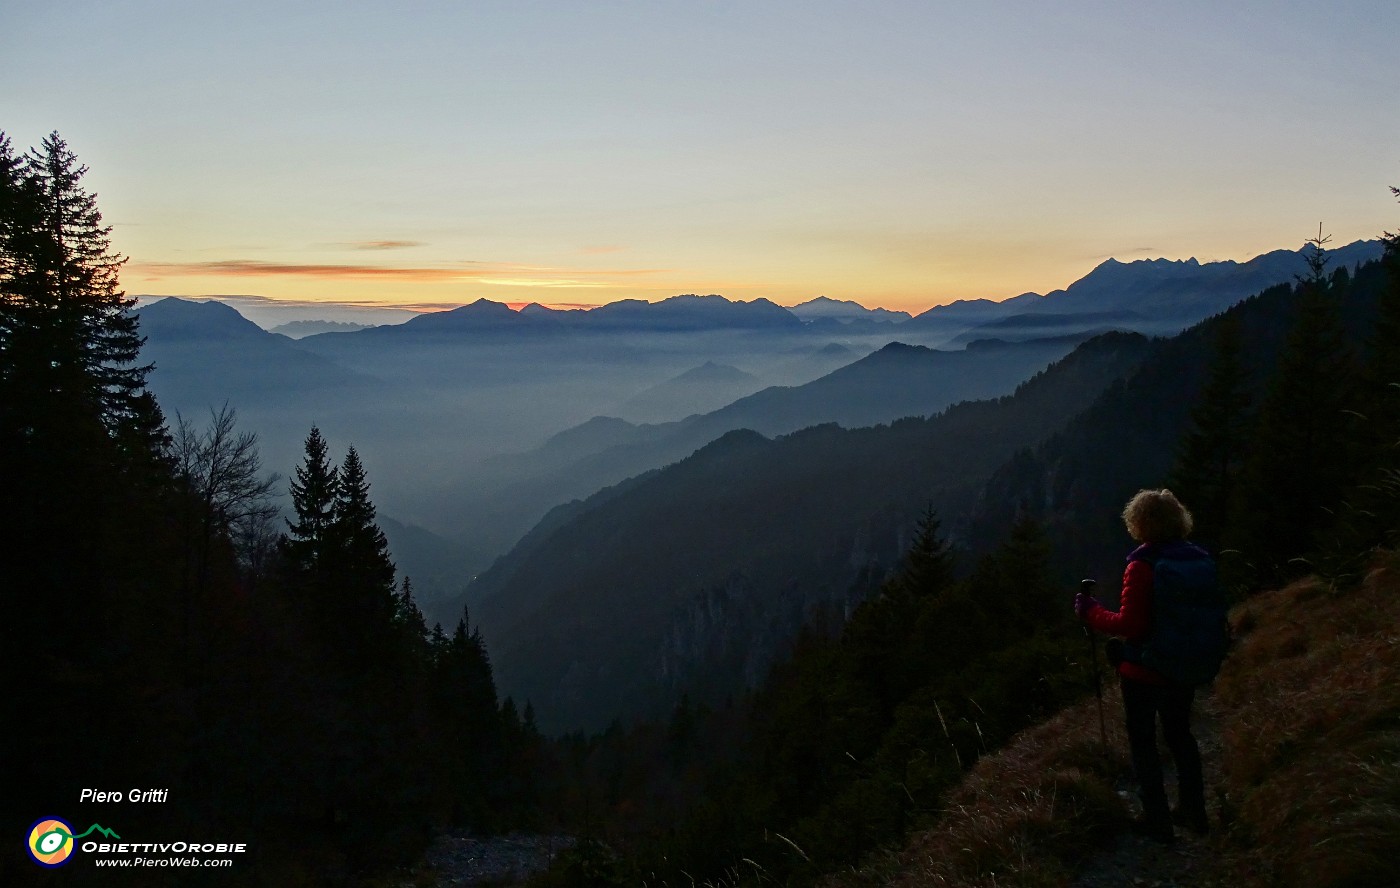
(484, 275)
(901, 157)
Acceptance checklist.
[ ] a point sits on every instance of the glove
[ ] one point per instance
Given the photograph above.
(1083, 604)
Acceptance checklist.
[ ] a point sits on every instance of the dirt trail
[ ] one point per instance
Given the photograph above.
(464, 859)
(1192, 861)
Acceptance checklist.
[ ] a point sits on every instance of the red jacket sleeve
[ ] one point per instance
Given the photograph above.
(1133, 618)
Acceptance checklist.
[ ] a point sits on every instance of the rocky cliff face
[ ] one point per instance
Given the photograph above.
(729, 636)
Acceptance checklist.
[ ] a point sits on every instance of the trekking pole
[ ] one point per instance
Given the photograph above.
(1087, 587)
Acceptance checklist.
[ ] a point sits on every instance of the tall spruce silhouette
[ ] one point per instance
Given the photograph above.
(1211, 453)
(314, 488)
(87, 596)
(1300, 455)
(362, 552)
(1371, 513)
(928, 565)
(80, 436)
(1382, 373)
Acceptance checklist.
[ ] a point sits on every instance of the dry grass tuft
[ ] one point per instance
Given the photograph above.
(1026, 816)
(1310, 719)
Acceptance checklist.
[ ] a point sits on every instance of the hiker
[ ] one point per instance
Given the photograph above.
(1171, 622)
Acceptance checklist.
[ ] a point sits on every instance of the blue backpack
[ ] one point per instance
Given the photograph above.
(1189, 634)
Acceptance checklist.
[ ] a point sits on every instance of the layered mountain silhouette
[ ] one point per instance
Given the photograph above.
(697, 390)
(846, 318)
(678, 314)
(300, 329)
(1154, 296)
(433, 403)
(716, 560)
(1077, 480)
(205, 353)
(1161, 296)
(500, 503)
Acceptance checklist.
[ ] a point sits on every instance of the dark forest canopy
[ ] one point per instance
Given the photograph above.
(279, 683)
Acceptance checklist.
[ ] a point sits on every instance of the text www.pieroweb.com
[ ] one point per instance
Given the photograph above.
(178, 854)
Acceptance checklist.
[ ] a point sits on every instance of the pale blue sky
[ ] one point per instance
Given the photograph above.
(901, 154)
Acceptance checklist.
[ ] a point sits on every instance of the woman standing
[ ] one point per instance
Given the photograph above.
(1169, 593)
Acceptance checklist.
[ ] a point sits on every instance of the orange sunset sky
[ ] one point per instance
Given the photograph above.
(900, 154)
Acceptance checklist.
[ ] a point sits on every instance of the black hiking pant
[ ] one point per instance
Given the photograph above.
(1142, 703)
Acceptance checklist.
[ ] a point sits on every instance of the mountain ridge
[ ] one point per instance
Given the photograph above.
(841, 479)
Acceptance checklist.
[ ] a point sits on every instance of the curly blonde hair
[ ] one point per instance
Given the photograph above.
(1156, 516)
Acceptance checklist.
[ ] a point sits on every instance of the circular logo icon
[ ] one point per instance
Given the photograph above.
(50, 842)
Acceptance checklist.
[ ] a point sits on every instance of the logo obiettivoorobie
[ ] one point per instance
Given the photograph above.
(50, 842)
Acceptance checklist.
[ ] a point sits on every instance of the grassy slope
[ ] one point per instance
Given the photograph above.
(1308, 709)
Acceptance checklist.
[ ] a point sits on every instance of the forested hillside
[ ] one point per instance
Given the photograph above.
(895, 382)
(168, 631)
(719, 559)
(1297, 367)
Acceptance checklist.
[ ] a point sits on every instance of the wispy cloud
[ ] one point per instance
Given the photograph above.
(253, 268)
(504, 274)
(384, 245)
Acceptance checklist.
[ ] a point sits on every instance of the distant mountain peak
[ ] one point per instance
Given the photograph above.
(198, 317)
(486, 305)
(712, 372)
(312, 327)
(483, 313)
(846, 310)
(536, 309)
(209, 307)
(689, 312)
(902, 348)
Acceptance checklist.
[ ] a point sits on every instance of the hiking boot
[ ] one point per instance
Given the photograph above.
(1196, 821)
(1154, 828)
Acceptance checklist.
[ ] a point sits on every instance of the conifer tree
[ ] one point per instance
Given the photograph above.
(70, 349)
(21, 354)
(83, 486)
(20, 231)
(407, 614)
(1018, 575)
(314, 487)
(364, 550)
(1300, 455)
(88, 331)
(80, 437)
(465, 695)
(470, 668)
(1382, 372)
(883, 640)
(1372, 510)
(928, 565)
(1212, 451)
